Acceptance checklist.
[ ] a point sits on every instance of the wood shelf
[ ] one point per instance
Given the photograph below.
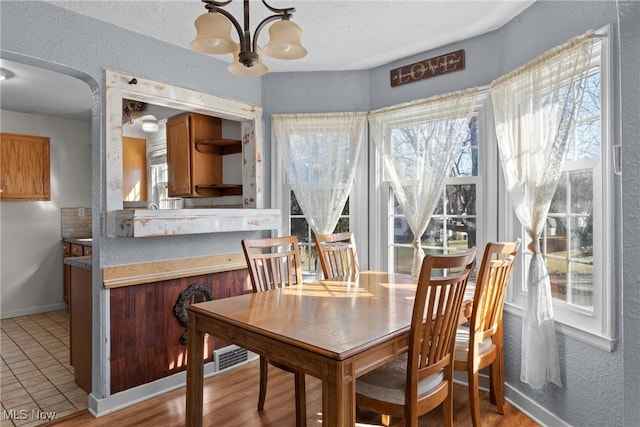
(173, 222)
(220, 146)
(219, 190)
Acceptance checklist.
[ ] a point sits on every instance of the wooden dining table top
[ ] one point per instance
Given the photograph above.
(336, 317)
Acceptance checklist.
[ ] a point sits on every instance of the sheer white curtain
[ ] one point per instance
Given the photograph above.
(417, 142)
(535, 109)
(320, 154)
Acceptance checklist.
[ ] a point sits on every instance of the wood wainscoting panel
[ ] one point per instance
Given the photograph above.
(146, 334)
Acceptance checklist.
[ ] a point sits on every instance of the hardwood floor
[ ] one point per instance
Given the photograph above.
(230, 400)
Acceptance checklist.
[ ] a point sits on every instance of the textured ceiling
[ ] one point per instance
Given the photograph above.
(339, 35)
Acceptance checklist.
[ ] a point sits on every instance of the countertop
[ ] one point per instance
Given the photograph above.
(87, 241)
(84, 262)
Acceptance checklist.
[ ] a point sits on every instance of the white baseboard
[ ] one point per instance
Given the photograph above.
(129, 397)
(519, 400)
(33, 310)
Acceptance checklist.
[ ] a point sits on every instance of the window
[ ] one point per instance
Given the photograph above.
(159, 173)
(457, 223)
(580, 214)
(334, 144)
(302, 230)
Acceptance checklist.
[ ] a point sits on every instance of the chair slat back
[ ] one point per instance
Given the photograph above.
(435, 313)
(337, 253)
(491, 288)
(273, 262)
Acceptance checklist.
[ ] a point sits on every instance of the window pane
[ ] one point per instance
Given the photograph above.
(568, 239)
(587, 138)
(461, 233)
(402, 259)
(295, 207)
(342, 226)
(435, 234)
(345, 210)
(401, 231)
(466, 162)
(581, 191)
(308, 258)
(558, 275)
(461, 199)
(300, 229)
(581, 278)
(559, 200)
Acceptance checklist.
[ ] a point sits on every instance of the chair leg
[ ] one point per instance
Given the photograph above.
(447, 407)
(474, 399)
(497, 384)
(301, 400)
(264, 370)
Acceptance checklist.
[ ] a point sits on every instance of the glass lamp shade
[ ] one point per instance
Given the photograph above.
(285, 41)
(213, 34)
(240, 70)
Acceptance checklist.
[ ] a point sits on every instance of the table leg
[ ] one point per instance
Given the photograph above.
(339, 396)
(195, 373)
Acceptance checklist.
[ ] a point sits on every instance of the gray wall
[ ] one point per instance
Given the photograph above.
(600, 388)
(594, 393)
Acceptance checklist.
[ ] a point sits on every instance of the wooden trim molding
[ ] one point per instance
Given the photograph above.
(147, 272)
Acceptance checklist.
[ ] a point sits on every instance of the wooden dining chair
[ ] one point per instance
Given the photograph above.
(422, 379)
(480, 344)
(337, 253)
(275, 263)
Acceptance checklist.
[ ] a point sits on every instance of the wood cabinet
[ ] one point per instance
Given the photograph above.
(195, 148)
(80, 325)
(146, 335)
(24, 167)
(71, 250)
(134, 169)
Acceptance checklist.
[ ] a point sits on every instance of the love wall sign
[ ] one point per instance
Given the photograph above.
(428, 68)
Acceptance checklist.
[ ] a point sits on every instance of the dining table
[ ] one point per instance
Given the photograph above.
(335, 330)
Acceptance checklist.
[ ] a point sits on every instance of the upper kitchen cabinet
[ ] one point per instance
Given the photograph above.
(25, 167)
(195, 157)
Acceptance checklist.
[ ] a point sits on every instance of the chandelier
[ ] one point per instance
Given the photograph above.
(213, 36)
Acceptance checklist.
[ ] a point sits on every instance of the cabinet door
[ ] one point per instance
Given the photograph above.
(179, 156)
(134, 169)
(24, 167)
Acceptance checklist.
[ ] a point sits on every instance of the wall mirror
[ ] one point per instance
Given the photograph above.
(196, 168)
(157, 178)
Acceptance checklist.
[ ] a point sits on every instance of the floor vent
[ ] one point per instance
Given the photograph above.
(229, 356)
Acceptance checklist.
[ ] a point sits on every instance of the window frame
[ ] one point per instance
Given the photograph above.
(381, 193)
(597, 327)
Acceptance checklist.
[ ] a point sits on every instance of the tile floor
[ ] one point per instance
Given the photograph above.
(35, 377)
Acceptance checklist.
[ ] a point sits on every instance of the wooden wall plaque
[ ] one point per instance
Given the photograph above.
(436, 66)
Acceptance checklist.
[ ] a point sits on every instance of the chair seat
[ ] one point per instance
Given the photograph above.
(462, 344)
(388, 382)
